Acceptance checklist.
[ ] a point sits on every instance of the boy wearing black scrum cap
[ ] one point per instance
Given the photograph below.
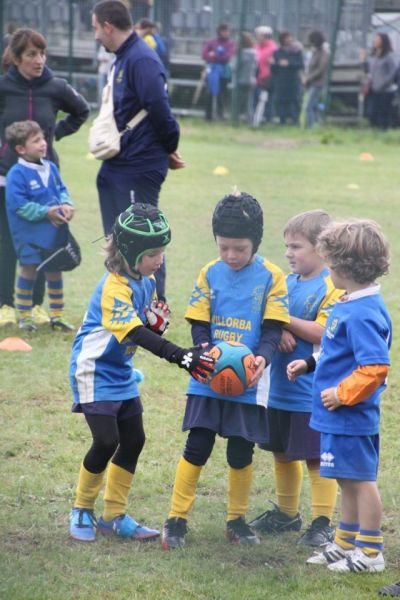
(239, 297)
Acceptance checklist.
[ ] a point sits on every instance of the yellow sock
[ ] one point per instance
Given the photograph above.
(239, 485)
(370, 541)
(323, 494)
(288, 480)
(88, 489)
(184, 492)
(118, 484)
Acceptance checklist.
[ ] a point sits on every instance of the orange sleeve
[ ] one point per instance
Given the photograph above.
(361, 384)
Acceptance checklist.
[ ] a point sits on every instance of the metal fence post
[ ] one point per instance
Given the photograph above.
(236, 86)
(327, 94)
(70, 40)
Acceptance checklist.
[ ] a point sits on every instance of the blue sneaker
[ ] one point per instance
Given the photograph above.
(82, 525)
(126, 527)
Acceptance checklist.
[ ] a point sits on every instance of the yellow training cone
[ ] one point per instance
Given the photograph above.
(353, 186)
(366, 156)
(15, 344)
(221, 171)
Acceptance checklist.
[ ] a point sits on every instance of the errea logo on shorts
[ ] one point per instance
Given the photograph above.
(327, 460)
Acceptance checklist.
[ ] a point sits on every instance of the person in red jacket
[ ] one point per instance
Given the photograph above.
(265, 48)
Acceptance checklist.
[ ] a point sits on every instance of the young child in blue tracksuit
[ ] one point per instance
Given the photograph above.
(311, 298)
(38, 210)
(240, 297)
(121, 316)
(349, 378)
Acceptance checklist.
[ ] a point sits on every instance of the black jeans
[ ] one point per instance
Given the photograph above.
(381, 109)
(8, 262)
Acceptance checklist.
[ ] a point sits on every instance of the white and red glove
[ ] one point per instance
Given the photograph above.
(158, 316)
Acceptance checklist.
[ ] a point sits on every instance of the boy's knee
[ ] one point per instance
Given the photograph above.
(135, 445)
(28, 272)
(106, 446)
(239, 453)
(199, 446)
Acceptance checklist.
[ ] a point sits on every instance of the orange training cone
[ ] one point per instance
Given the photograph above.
(366, 156)
(15, 344)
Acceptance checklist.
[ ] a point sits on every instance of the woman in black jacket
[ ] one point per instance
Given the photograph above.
(29, 91)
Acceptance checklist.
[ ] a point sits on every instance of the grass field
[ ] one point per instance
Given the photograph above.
(42, 443)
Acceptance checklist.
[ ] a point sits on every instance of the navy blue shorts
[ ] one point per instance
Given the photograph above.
(118, 187)
(349, 457)
(290, 434)
(227, 418)
(120, 409)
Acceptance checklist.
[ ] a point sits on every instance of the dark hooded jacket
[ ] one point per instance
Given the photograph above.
(38, 99)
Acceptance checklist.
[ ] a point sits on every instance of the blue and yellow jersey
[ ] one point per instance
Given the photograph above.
(101, 363)
(311, 300)
(358, 333)
(235, 303)
(37, 186)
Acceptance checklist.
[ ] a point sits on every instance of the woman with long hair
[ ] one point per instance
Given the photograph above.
(381, 67)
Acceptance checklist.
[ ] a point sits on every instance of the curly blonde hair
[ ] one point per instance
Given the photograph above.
(356, 248)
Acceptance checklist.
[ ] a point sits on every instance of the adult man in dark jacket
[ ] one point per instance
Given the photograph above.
(137, 172)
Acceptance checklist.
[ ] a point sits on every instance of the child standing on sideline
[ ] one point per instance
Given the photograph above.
(239, 297)
(38, 209)
(349, 377)
(311, 298)
(122, 315)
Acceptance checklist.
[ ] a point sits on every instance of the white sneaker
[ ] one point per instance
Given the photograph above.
(331, 554)
(358, 562)
(7, 315)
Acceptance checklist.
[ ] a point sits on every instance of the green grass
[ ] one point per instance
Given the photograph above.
(42, 443)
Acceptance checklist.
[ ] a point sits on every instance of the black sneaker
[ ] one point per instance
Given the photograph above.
(319, 533)
(173, 533)
(60, 324)
(390, 590)
(238, 532)
(276, 521)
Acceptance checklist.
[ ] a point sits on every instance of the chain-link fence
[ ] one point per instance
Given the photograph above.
(185, 25)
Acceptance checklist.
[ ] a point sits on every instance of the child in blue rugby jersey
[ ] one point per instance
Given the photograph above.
(240, 297)
(350, 375)
(312, 296)
(38, 210)
(122, 315)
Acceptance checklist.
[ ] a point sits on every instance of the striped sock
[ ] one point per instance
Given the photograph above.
(56, 297)
(23, 299)
(345, 535)
(370, 541)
